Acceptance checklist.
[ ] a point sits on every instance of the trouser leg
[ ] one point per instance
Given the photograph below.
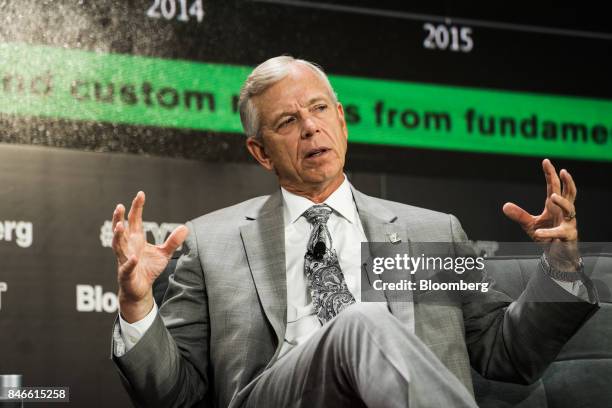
(364, 357)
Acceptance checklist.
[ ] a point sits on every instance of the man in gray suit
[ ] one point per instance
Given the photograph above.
(264, 308)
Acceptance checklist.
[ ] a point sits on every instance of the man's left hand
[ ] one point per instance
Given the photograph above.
(557, 222)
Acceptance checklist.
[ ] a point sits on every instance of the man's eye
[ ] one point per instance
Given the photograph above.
(321, 108)
(286, 122)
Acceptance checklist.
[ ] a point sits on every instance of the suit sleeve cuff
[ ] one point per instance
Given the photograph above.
(131, 333)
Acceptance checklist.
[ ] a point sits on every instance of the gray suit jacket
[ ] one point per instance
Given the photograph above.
(223, 318)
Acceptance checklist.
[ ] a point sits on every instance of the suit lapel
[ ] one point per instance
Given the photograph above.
(379, 226)
(378, 222)
(264, 243)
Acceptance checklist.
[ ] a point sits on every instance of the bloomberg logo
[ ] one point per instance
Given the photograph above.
(19, 231)
(94, 299)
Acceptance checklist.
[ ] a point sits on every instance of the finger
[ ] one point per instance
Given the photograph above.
(135, 214)
(553, 185)
(517, 214)
(119, 242)
(566, 206)
(175, 239)
(118, 215)
(562, 232)
(126, 269)
(117, 218)
(569, 187)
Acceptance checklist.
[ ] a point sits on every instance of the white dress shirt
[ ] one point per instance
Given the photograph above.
(347, 235)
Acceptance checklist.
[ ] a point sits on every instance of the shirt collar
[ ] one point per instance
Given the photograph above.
(341, 201)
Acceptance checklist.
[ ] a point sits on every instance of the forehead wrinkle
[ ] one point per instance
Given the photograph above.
(288, 112)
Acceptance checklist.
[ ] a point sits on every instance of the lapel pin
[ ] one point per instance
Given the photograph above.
(394, 239)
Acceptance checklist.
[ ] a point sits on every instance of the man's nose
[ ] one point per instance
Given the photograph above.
(309, 127)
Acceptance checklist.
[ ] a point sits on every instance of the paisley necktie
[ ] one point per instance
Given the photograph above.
(328, 289)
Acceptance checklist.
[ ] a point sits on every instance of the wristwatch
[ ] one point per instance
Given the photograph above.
(562, 276)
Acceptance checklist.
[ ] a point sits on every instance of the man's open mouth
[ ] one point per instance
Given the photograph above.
(319, 151)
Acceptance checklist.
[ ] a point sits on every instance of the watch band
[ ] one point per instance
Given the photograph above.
(562, 276)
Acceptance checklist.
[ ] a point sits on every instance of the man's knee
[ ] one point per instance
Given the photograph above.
(361, 314)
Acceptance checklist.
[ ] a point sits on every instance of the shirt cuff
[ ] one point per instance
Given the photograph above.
(132, 332)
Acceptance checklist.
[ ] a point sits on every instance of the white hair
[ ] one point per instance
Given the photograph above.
(263, 77)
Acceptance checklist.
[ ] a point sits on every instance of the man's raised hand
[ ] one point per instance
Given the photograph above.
(139, 263)
(557, 222)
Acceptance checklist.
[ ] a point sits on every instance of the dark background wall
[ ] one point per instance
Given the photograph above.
(60, 179)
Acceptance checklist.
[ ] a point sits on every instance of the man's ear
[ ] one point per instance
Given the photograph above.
(258, 151)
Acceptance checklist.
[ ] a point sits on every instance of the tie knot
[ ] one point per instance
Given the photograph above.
(318, 214)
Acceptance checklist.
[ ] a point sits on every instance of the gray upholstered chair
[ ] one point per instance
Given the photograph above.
(581, 376)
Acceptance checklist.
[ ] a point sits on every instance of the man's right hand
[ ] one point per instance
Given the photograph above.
(139, 263)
